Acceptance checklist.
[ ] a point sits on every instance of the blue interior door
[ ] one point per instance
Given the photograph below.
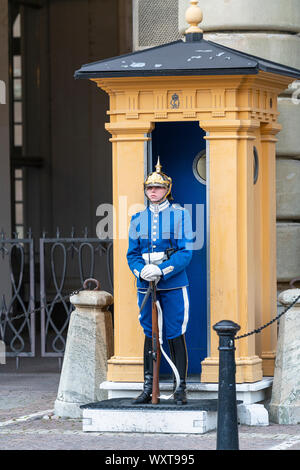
(178, 144)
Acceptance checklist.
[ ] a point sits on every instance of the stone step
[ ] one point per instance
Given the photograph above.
(120, 415)
(248, 393)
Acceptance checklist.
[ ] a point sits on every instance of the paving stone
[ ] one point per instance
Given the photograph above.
(40, 433)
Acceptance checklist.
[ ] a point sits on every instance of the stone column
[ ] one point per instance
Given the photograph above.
(89, 345)
(285, 401)
(288, 188)
(128, 148)
(232, 263)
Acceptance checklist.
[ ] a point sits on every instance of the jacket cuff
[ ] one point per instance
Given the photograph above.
(137, 270)
(168, 271)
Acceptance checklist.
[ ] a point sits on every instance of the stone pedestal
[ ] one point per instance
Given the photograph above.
(120, 415)
(89, 346)
(285, 401)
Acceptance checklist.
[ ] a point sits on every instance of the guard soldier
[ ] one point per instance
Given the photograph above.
(160, 241)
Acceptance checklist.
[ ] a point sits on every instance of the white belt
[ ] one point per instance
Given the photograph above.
(156, 257)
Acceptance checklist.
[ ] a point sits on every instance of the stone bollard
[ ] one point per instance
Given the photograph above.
(89, 345)
(285, 401)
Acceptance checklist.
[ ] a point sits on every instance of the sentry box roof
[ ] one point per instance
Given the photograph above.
(194, 56)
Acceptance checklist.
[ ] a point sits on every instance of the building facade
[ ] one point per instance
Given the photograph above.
(55, 152)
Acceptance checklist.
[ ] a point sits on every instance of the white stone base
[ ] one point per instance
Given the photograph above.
(248, 393)
(171, 421)
(253, 415)
(67, 409)
(176, 421)
(284, 414)
(152, 421)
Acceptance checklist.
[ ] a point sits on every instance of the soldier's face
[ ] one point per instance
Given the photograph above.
(156, 193)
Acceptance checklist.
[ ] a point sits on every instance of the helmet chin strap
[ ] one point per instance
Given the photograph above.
(157, 202)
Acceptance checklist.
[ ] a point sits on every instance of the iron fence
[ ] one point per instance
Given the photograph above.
(63, 263)
(17, 296)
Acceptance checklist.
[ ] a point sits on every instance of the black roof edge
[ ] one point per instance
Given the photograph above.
(167, 73)
(294, 73)
(259, 59)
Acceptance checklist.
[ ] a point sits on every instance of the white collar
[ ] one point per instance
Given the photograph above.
(159, 207)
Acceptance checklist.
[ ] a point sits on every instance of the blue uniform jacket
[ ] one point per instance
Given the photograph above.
(156, 229)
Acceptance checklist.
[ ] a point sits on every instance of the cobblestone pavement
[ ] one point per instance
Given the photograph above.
(58, 434)
(27, 422)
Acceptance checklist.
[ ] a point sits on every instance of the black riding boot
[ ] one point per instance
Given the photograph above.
(179, 357)
(146, 395)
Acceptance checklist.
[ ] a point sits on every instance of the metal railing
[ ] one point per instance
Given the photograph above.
(19, 336)
(76, 259)
(63, 264)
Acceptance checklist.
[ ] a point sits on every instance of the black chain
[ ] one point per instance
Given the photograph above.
(258, 330)
(65, 297)
(75, 292)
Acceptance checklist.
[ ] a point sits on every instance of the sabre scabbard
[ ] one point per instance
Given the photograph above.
(155, 347)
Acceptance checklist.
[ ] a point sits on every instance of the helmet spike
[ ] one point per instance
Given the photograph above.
(160, 179)
(158, 165)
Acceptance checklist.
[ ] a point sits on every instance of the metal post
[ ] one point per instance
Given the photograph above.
(227, 426)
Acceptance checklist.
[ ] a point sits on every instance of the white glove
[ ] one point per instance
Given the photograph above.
(151, 272)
